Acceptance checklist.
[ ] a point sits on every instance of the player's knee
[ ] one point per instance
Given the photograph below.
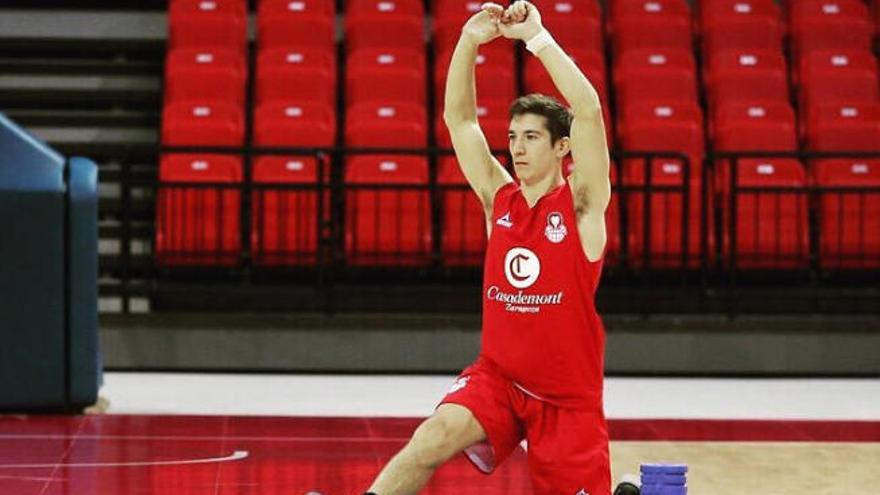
(432, 444)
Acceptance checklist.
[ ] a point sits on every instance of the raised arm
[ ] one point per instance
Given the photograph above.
(482, 170)
(589, 148)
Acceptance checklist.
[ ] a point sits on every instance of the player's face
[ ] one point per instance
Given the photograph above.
(534, 154)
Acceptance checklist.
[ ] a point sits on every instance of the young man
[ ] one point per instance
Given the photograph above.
(540, 370)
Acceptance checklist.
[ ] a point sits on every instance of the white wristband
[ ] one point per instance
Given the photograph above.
(540, 41)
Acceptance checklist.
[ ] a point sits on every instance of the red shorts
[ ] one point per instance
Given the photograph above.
(567, 448)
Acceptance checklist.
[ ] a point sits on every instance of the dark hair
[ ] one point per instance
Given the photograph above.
(557, 115)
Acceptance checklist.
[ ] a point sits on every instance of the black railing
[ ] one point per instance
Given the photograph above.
(653, 217)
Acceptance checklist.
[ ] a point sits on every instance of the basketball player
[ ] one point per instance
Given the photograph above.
(539, 374)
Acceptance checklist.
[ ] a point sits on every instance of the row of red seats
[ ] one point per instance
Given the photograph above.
(632, 23)
(294, 76)
(198, 220)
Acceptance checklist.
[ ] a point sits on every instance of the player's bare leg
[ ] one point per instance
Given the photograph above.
(450, 430)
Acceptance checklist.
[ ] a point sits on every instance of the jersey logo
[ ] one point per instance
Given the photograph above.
(582, 492)
(459, 384)
(555, 230)
(504, 221)
(522, 267)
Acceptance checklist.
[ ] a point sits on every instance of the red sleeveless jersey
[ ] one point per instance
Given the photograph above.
(540, 324)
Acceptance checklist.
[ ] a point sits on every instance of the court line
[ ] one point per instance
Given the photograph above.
(236, 456)
(31, 478)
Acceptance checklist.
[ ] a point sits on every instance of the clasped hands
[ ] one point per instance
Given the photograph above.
(520, 21)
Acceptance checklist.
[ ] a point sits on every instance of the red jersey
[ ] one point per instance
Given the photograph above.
(540, 324)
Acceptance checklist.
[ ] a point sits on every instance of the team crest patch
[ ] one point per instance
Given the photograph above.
(555, 231)
(459, 384)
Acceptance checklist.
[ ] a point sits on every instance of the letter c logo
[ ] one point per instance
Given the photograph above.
(522, 267)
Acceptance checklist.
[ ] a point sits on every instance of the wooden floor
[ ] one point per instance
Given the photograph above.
(211, 455)
(765, 468)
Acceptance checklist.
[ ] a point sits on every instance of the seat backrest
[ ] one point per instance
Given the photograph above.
(184, 58)
(206, 8)
(387, 226)
(359, 10)
(849, 218)
(198, 225)
(378, 123)
(275, 8)
(295, 124)
(396, 58)
(294, 58)
(771, 225)
(285, 221)
(207, 123)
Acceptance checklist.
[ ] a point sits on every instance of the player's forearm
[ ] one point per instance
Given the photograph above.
(461, 94)
(571, 82)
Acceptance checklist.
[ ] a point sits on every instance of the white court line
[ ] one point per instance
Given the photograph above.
(204, 438)
(31, 478)
(236, 456)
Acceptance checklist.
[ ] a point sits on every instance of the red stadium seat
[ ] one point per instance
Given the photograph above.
(495, 76)
(650, 24)
(387, 226)
(678, 127)
(381, 32)
(830, 24)
(655, 58)
(829, 11)
(714, 11)
(635, 9)
(198, 224)
(673, 126)
(387, 58)
(574, 9)
(207, 24)
(285, 221)
(653, 32)
(208, 75)
(198, 123)
(185, 8)
(494, 122)
(754, 126)
(296, 24)
(321, 8)
(747, 75)
(384, 74)
(771, 225)
(736, 33)
(844, 127)
(372, 9)
(378, 124)
(464, 220)
(316, 58)
(831, 63)
(669, 219)
(299, 74)
(294, 124)
(647, 74)
(829, 76)
(849, 213)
